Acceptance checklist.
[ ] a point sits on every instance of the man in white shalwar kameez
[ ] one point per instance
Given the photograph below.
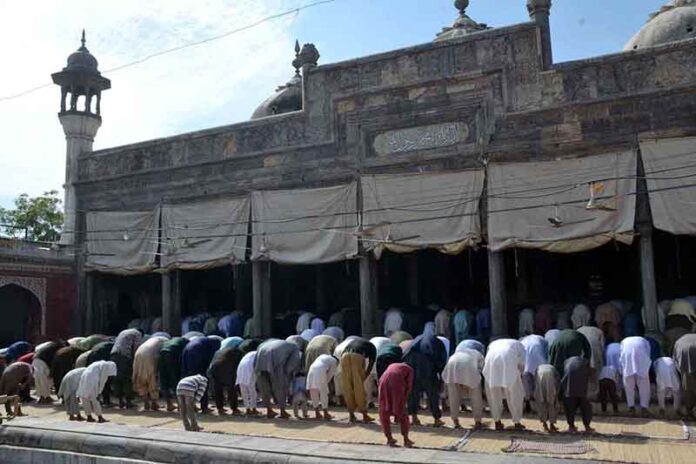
(393, 321)
(91, 385)
(246, 380)
(42, 380)
(320, 374)
(668, 383)
(68, 391)
(635, 369)
(502, 370)
(536, 353)
(462, 377)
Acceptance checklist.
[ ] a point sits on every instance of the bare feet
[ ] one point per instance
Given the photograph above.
(367, 419)
(79, 418)
(236, 412)
(415, 420)
(352, 418)
(101, 420)
(327, 416)
(478, 426)
(457, 425)
(155, 406)
(284, 414)
(392, 443)
(439, 423)
(553, 428)
(270, 414)
(589, 429)
(408, 443)
(90, 419)
(499, 426)
(519, 426)
(572, 429)
(546, 426)
(317, 414)
(171, 407)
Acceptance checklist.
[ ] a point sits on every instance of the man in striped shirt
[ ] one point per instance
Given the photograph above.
(189, 391)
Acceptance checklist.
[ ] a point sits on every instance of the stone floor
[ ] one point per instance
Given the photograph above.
(619, 438)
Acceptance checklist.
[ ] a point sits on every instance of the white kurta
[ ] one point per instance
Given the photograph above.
(464, 368)
(317, 325)
(635, 357)
(666, 375)
(70, 383)
(393, 321)
(536, 353)
(551, 336)
(379, 342)
(321, 372)
(504, 363)
(304, 322)
(245, 371)
(94, 378)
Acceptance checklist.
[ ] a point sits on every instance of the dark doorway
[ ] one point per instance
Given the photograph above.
(21, 312)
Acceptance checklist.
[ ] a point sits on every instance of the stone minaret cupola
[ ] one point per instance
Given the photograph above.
(79, 79)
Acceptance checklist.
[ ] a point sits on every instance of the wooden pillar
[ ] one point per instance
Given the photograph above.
(498, 296)
(647, 280)
(167, 303)
(522, 277)
(369, 298)
(320, 289)
(263, 313)
(89, 304)
(176, 303)
(413, 290)
(240, 272)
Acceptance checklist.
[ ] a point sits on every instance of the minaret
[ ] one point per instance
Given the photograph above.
(80, 78)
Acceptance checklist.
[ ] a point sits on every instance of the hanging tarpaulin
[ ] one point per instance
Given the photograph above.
(205, 234)
(305, 226)
(407, 212)
(670, 172)
(122, 242)
(562, 206)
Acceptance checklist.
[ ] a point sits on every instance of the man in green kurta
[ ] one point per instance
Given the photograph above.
(568, 344)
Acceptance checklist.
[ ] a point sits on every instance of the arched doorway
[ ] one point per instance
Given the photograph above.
(21, 314)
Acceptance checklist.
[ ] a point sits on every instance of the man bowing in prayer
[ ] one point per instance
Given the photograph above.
(502, 370)
(462, 375)
(394, 388)
(92, 383)
(277, 362)
(574, 385)
(356, 354)
(427, 357)
(635, 365)
(685, 359)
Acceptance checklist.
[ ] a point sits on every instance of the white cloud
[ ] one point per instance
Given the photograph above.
(212, 84)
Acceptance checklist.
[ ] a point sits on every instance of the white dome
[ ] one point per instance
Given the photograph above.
(674, 22)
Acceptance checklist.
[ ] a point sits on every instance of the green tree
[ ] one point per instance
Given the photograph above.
(33, 218)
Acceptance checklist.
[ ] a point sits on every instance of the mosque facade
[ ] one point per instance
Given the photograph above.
(472, 171)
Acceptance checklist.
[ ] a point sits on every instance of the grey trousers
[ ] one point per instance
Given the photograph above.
(187, 408)
(299, 400)
(457, 393)
(548, 412)
(72, 407)
(91, 406)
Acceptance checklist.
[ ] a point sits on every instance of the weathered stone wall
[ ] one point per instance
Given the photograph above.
(435, 106)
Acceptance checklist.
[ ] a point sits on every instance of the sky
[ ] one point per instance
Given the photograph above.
(221, 82)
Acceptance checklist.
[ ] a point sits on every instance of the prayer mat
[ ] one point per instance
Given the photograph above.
(556, 447)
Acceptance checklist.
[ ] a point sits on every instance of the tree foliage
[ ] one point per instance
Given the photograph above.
(33, 218)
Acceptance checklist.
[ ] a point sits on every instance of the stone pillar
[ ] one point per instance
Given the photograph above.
(413, 290)
(90, 322)
(539, 12)
(498, 295)
(369, 297)
(320, 289)
(263, 313)
(80, 130)
(647, 280)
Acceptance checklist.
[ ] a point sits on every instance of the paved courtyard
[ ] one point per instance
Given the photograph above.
(618, 438)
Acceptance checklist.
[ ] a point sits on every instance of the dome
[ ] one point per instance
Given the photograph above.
(463, 25)
(82, 60)
(287, 98)
(674, 22)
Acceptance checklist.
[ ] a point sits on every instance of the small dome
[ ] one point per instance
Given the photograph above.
(674, 22)
(287, 98)
(82, 60)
